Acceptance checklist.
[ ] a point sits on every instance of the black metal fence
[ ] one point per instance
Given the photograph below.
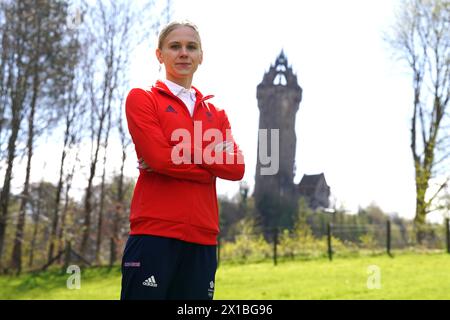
(333, 241)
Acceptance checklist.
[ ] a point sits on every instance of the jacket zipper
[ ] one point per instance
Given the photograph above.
(198, 102)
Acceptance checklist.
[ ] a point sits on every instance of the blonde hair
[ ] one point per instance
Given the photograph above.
(172, 26)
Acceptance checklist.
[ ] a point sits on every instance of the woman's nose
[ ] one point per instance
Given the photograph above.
(183, 51)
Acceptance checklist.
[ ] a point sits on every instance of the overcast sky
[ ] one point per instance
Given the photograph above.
(353, 122)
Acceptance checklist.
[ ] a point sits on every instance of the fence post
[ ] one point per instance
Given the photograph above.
(275, 242)
(330, 249)
(218, 252)
(388, 240)
(447, 227)
(112, 252)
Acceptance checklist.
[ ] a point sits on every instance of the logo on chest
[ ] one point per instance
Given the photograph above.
(171, 109)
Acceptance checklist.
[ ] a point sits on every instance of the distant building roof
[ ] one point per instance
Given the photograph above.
(314, 187)
(311, 180)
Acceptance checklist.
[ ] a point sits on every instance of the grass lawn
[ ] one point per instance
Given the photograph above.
(408, 276)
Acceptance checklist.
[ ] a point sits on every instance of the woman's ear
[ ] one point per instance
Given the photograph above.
(159, 55)
(201, 57)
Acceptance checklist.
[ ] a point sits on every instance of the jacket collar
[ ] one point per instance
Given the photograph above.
(161, 86)
(177, 90)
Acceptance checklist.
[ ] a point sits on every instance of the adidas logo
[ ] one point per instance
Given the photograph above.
(150, 282)
(211, 289)
(171, 109)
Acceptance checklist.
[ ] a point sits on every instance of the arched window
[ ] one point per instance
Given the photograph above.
(280, 80)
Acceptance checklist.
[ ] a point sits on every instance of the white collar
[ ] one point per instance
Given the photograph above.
(177, 90)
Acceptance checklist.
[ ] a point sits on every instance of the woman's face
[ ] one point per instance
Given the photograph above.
(181, 53)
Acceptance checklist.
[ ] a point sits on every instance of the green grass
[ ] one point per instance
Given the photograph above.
(408, 276)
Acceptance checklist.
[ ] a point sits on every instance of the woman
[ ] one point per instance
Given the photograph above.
(171, 250)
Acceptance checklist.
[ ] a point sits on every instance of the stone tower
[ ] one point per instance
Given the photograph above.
(279, 96)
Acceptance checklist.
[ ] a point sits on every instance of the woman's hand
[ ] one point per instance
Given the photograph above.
(226, 146)
(142, 165)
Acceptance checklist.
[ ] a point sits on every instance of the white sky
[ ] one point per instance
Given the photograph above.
(353, 122)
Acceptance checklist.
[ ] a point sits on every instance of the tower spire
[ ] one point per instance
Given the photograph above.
(280, 73)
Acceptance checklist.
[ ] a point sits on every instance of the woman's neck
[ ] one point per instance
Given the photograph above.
(184, 82)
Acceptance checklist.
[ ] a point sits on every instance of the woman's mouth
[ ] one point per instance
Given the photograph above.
(183, 65)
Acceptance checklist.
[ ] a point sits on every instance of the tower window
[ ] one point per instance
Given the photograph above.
(281, 68)
(280, 80)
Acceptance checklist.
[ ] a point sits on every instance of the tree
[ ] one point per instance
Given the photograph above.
(15, 52)
(3, 75)
(41, 203)
(73, 114)
(125, 141)
(49, 64)
(421, 37)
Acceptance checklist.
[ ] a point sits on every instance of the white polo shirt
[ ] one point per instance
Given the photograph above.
(186, 95)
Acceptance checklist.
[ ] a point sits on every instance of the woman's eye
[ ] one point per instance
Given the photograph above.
(178, 46)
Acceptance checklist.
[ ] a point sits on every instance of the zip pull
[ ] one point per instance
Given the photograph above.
(202, 101)
(207, 97)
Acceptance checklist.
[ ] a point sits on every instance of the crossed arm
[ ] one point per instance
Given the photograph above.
(155, 151)
(224, 146)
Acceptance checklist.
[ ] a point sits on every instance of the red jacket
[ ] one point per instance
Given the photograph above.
(177, 200)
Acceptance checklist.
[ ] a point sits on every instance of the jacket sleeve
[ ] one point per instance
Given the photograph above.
(150, 142)
(232, 166)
